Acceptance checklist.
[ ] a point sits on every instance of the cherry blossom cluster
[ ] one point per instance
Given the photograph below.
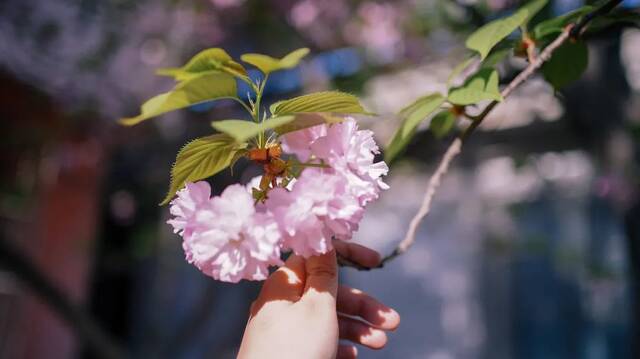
(232, 236)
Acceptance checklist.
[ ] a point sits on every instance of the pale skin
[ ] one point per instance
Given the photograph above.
(302, 312)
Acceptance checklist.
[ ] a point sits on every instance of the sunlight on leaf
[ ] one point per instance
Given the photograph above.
(242, 130)
(479, 87)
(199, 89)
(268, 64)
(304, 120)
(328, 101)
(486, 37)
(205, 62)
(201, 158)
(412, 115)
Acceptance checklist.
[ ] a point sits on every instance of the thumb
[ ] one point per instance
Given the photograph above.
(322, 275)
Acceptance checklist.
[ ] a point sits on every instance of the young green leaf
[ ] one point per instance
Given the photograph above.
(619, 17)
(557, 24)
(268, 64)
(301, 121)
(532, 8)
(459, 69)
(236, 156)
(489, 35)
(208, 61)
(328, 101)
(481, 86)
(242, 130)
(567, 64)
(442, 123)
(412, 115)
(190, 92)
(496, 56)
(201, 158)
(486, 37)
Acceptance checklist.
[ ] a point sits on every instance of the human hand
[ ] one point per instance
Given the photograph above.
(301, 311)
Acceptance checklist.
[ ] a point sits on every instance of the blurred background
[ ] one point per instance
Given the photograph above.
(532, 249)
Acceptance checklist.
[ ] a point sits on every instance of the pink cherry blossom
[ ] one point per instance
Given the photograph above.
(299, 142)
(347, 151)
(229, 240)
(317, 209)
(230, 237)
(350, 152)
(191, 199)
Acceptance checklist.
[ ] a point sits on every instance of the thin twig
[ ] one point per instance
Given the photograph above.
(434, 184)
(572, 31)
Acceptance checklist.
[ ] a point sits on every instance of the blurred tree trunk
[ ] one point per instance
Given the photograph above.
(55, 167)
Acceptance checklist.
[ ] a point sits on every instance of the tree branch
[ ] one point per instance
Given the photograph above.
(572, 31)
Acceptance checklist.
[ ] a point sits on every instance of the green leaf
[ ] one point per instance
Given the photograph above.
(328, 101)
(190, 92)
(459, 69)
(496, 56)
(489, 35)
(242, 130)
(201, 158)
(486, 37)
(304, 120)
(442, 123)
(411, 115)
(268, 64)
(208, 61)
(619, 17)
(567, 64)
(532, 8)
(556, 25)
(481, 86)
(236, 156)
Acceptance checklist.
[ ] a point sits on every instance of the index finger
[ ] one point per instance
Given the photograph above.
(285, 284)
